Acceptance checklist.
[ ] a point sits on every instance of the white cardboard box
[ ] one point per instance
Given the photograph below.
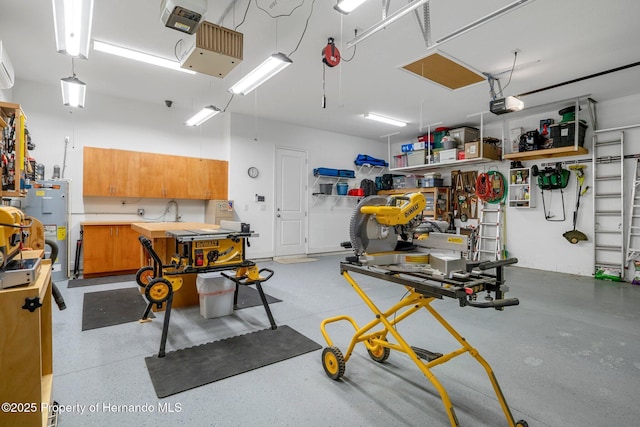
(448, 155)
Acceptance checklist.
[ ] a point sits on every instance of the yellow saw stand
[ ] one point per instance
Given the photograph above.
(422, 290)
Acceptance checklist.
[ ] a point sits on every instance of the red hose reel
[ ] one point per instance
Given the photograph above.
(331, 54)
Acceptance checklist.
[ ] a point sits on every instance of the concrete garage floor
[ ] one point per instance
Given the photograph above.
(568, 355)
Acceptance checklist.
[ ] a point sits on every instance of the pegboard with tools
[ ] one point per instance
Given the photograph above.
(463, 195)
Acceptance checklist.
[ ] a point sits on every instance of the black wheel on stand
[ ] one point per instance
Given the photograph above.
(333, 362)
(158, 290)
(144, 276)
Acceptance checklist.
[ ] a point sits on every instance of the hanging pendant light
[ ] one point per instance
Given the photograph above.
(73, 90)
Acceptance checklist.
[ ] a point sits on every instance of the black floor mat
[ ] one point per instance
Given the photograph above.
(75, 283)
(192, 367)
(250, 297)
(108, 308)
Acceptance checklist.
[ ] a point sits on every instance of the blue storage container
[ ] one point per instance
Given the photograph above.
(342, 188)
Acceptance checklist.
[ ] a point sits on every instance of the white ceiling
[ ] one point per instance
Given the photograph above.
(557, 41)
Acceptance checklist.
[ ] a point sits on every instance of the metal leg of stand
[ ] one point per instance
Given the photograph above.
(147, 310)
(165, 326)
(266, 306)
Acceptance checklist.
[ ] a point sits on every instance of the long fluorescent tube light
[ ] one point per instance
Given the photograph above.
(202, 116)
(72, 21)
(479, 22)
(138, 56)
(382, 119)
(73, 92)
(347, 6)
(263, 72)
(385, 22)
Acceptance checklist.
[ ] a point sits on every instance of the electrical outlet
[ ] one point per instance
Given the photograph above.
(140, 212)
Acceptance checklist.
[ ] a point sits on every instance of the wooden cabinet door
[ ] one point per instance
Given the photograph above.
(98, 248)
(125, 176)
(176, 178)
(151, 169)
(126, 248)
(97, 171)
(218, 179)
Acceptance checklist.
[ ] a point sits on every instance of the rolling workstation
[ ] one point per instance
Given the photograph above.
(424, 213)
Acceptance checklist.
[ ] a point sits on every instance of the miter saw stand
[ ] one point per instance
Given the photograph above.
(222, 249)
(423, 283)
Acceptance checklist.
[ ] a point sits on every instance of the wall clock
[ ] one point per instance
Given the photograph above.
(253, 172)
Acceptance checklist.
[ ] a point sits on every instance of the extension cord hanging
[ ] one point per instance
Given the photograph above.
(491, 187)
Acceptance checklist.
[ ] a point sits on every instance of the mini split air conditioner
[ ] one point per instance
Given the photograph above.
(6, 69)
(183, 15)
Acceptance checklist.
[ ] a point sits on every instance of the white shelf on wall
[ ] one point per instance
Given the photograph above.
(442, 165)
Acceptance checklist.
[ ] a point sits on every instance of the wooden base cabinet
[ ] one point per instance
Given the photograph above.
(109, 248)
(26, 357)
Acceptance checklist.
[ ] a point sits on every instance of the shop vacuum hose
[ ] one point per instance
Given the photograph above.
(55, 292)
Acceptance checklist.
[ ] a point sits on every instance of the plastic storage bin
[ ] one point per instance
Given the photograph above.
(342, 188)
(216, 295)
(563, 134)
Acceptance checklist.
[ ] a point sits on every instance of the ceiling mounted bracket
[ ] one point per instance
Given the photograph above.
(385, 8)
(425, 23)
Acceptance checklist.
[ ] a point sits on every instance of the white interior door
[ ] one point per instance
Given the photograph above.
(291, 202)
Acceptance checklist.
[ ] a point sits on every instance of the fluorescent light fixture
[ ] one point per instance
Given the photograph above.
(202, 116)
(73, 92)
(72, 22)
(138, 56)
(263, 72)
(387, 21)
(382, 119)
(347, 6)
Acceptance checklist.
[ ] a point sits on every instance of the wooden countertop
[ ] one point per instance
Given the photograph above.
(90, 223)
(154, 230)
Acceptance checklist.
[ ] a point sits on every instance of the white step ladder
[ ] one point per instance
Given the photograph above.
(608, 207)
(633, 231)
(489, 240)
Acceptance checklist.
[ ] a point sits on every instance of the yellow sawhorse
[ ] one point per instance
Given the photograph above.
(379, 348)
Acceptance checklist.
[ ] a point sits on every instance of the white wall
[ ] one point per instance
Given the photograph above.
(254, 144)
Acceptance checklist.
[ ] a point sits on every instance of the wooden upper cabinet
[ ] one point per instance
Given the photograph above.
(207, 179)
(120, 173)
(111, 173)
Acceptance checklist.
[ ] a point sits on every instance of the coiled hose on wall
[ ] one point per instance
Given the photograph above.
(57, 296)
(491, 187)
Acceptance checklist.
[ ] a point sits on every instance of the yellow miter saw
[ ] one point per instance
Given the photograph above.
(377, 222)
(381, 232)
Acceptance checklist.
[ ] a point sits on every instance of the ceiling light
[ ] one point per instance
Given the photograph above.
(202, 116)
(72, 23)
(347, 6)
(138, 56)
(382, 119)
(385, 22)
(263, 72)
(73, 92)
